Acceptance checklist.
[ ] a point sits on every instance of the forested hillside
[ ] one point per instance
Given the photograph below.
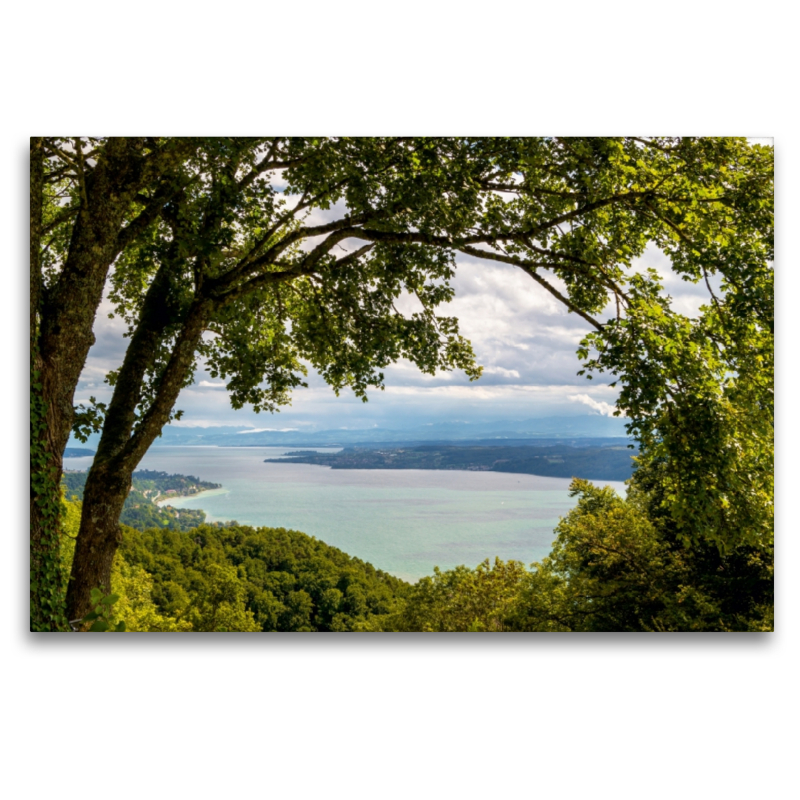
(149, 486)
(243, 579)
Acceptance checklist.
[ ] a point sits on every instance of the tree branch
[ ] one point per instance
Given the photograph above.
(172, 381)
(148, 215)
(530, 269)
(81, 174)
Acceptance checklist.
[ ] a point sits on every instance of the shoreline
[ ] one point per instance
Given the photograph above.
(165, 501)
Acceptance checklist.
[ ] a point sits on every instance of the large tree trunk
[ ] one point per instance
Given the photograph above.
(69, 306)
(46, 594)
(107, 486)
(36, 199)
(46, 597)
(62, 318)
(123, 444)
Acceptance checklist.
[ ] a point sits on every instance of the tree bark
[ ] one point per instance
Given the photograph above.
(103, 498)
(44, 464)
(70, 305)
(36, 200)
(61, 320)
(68, 308)
(122, 446)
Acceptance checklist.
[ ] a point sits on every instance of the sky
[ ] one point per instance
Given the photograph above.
(522, 336)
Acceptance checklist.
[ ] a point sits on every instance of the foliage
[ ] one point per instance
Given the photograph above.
(151, 483)
(101, 617)
(700, 391)
(47, 610)
(220, 603)
(267, 579)
(141, 512)
(71, 510)
(162, 483)
(136, 606)
(613, 569)
(88, 419)
(462, 599)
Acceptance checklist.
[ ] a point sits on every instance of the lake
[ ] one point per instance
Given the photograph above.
(401, 521)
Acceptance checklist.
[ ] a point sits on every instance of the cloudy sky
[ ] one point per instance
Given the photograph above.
(523, 337)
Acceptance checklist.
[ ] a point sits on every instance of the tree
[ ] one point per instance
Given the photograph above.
(613, 567)
(276, 579)
(221, 606)
(135, 606)
(700, 392)
(89, 200)
(463, 599)
(211, 262)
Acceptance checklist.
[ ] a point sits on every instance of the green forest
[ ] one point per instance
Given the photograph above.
(148, 488)
(207, 265)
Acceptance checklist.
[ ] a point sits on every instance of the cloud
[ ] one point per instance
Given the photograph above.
(688, 296)
(606, 409)
(522, 336)
(506, 373)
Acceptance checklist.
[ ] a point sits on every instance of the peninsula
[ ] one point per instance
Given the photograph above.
(610, 463)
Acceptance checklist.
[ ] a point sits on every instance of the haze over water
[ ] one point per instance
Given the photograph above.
(401, 521)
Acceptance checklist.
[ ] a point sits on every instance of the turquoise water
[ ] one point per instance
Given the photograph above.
(401, 521)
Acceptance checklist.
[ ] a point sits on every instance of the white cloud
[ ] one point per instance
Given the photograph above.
(525, 340)
(687, 296)
(606, 409)
(506, 373)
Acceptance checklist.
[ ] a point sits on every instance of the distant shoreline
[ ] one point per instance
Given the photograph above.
(165, 501)
(558, 461)
(78, 452)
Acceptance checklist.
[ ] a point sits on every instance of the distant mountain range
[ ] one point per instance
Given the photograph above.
(551, 428)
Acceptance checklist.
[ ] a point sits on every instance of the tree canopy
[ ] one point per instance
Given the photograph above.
(210, 254)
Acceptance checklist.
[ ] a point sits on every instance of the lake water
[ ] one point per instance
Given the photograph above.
(401, 521)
